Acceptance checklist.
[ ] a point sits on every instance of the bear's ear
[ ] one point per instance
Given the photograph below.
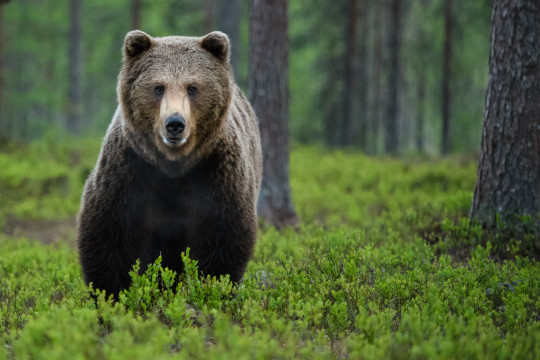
(217, 43)
(136, 43)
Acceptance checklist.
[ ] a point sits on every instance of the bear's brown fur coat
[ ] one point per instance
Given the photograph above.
(152, 193)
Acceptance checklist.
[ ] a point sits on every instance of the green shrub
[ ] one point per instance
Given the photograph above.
(384, 264)
(44, 179)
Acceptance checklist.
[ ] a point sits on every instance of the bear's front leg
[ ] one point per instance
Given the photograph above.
(110, 239)
(225, 244)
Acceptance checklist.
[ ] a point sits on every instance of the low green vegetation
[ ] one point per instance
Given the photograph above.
(43, 180)
(384, 264)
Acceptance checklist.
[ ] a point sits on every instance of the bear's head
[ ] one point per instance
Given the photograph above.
(174, 92)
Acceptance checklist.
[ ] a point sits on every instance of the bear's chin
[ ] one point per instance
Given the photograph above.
(175, 149)
(174, 143)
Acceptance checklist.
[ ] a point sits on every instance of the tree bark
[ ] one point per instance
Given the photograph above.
(421, 83)
(508, 180)
(74, 68)
(230, 15)
(349, 75)
(391, 122)
(421, 98)
(269, 95)
(135, 14)
(376, 103)
(3, 126)
(447, 69)
(3, 122)
(361, 111)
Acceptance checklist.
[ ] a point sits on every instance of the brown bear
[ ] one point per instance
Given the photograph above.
(180, 165)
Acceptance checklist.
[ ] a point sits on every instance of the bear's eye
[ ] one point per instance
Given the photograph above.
(192, 90)
(159, 90)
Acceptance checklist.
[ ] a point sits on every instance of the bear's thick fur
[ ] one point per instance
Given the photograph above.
(180, 165)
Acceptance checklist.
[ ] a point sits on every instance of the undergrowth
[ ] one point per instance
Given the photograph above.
(384, 264)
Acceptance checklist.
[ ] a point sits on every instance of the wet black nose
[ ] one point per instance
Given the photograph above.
(175, 124)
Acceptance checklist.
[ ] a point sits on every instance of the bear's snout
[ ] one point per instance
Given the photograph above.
(175, 124)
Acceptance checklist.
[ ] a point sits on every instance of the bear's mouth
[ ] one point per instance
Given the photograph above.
(173, 140)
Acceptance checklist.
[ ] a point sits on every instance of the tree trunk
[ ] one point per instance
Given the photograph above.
(361, 112)
(421, 96)
(376, 105)
(346, 129)
(269, 95)
(391, 122)
(74, 68)
(230, 15)
(508, 181)
(3, 126)
(135, 14)
(421, 82)
(208, 16)
(447, 68)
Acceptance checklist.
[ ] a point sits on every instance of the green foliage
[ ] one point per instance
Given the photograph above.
(148, 290)
(383, 265)
(155, 288)
(340, 295)
(44, 179)
(335, 188)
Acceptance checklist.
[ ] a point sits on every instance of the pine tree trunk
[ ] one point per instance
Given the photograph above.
(446, 100)
(3, 126)
(269, 95)
(135, 14)
(361, 114)
(421, 95)
(230, 15)
(346, 129)
(391, 122)
(508, 181)
(376, 105)
(421, 83)
(74, 68)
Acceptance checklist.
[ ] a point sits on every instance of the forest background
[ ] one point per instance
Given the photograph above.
(402, 71)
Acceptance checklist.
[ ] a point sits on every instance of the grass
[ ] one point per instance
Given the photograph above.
(384, 264)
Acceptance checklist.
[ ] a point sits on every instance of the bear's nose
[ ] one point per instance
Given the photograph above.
(175, 124)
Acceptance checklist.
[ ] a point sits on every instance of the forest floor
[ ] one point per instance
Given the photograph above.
(383, 264)
(45, 231)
